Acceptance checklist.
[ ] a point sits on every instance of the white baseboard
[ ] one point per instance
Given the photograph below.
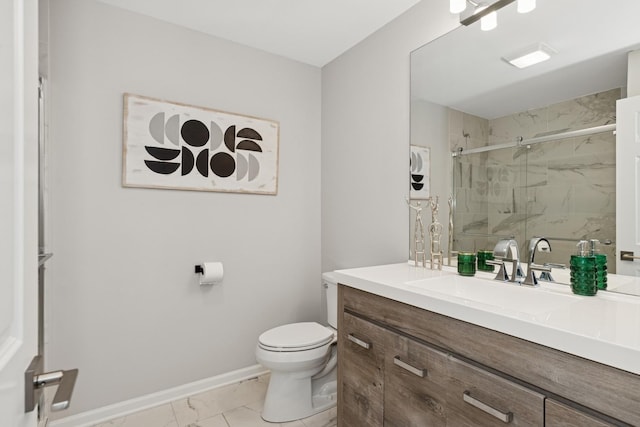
(120, 409)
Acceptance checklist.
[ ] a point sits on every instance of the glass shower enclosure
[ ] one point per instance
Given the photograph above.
(559, 185)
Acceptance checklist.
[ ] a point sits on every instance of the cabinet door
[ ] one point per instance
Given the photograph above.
(560, 415)
(415, 384)
(360, 372)
(425, 387)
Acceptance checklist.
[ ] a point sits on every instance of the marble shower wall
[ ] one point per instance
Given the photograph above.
(563, 189)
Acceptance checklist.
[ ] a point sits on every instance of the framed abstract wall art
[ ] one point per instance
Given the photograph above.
(420, 165)
(177, 146)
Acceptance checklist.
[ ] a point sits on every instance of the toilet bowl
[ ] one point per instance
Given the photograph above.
(302, 359)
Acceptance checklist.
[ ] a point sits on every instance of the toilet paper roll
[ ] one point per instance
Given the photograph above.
(212, 272)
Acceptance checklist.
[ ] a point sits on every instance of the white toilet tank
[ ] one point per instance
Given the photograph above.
(330, 284)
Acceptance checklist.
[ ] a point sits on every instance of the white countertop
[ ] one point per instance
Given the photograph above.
(604, 328)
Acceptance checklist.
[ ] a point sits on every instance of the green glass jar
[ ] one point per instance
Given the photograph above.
(483, 256)
(583, 275)
(466, 263)
(601, 271)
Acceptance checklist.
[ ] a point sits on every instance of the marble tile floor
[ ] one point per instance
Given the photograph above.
(235, 405)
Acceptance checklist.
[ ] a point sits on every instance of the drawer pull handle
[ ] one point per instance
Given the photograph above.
(502, 416)
(359, 342)
(406, 366)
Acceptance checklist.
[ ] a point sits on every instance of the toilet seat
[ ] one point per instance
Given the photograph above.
(296, 337)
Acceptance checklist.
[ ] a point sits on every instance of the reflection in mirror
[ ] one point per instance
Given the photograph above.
(517, 166)
(562, 188)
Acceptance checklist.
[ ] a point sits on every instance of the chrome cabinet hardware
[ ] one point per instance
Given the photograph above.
(359, 342)
(505, 417)
(404, 365)
(36, 380)
(627, 256)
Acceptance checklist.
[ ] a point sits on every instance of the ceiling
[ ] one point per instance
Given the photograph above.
(311, 31)
(592, 39)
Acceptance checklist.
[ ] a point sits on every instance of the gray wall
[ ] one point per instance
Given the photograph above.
(365, 142)
(430, 128)
(124, 305)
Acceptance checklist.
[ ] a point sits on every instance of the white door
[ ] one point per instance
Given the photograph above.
(18, 205)
(628, 184)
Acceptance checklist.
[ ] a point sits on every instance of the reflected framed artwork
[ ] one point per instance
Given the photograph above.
(169, 145)
(420, 165)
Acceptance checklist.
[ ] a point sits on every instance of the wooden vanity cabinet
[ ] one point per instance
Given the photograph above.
(419, 368)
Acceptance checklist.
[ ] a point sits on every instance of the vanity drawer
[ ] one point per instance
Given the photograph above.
(560, 415)
(426, 387)
(361, 372)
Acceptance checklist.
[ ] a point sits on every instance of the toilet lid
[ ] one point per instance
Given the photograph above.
(296, 336)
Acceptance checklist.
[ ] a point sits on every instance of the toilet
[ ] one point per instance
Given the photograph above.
(302, 358)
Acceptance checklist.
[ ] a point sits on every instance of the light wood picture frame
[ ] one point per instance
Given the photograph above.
(170, 145)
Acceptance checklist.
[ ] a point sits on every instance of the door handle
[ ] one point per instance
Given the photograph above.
(627, 256)
(36, 381)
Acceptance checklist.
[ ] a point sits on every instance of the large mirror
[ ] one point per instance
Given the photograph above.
(527, 152)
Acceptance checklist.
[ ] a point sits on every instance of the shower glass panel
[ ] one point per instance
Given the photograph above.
(490, 193)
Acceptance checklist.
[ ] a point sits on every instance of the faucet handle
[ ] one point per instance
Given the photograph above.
(502, 272)
(531, 279)
(554, 265)
(546, 275)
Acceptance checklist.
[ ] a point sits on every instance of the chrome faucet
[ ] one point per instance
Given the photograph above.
(537, 244)
(506, 250)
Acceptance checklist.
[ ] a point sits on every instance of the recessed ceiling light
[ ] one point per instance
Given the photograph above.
(531, 55)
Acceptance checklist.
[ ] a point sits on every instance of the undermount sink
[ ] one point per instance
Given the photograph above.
(506, 296)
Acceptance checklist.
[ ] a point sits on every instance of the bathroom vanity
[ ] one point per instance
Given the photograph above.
(430, 348)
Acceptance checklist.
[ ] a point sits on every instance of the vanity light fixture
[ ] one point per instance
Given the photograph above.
(490, 20)
(531, 55)
(486, 13)
(526, 6)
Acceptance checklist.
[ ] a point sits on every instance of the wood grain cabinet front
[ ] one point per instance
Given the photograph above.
(560, 415)
(361, 372)
(426, 387)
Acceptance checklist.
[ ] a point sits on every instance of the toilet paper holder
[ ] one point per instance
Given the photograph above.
(209, 273)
